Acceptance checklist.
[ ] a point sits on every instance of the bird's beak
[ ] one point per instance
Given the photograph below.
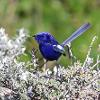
(34, 36)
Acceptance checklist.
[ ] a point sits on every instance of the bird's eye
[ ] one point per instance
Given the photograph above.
(48, 37)
(42, 36)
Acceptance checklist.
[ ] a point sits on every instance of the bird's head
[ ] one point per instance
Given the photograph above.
(43, 37)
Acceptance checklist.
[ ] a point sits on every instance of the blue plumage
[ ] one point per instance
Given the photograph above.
(46, 45)
(48, 51)
(50, 48)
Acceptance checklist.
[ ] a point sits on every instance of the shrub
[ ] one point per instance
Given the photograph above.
(79, 81)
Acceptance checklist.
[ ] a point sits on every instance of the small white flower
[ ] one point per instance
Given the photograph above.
(24, 76)
(10, 44)
(48, 72)
(55, 70)
(35, 62)
(2, 31)
(5, 60)
(22, 32)
(23, 50)
(1, 66)
(89, 60)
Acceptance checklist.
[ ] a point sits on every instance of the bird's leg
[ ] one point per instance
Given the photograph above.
(56, 69)
(70, 54)
(45, 65)
(69, 50)
(57, 73)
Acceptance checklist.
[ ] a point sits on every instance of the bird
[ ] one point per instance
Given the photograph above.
(50, 48)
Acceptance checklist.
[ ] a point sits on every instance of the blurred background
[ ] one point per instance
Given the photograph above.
(59, 17)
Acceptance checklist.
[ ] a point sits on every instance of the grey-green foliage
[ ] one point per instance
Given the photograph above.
(79, 81)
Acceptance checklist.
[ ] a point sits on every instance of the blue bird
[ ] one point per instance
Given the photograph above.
(49, 46)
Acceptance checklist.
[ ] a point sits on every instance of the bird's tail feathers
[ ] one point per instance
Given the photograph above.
(77, 33)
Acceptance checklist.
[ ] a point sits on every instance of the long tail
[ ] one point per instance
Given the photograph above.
(77, 33)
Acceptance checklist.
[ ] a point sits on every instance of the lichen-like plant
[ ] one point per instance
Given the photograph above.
(76, 82)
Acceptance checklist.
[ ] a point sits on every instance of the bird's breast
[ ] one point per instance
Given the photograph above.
(48, 52)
